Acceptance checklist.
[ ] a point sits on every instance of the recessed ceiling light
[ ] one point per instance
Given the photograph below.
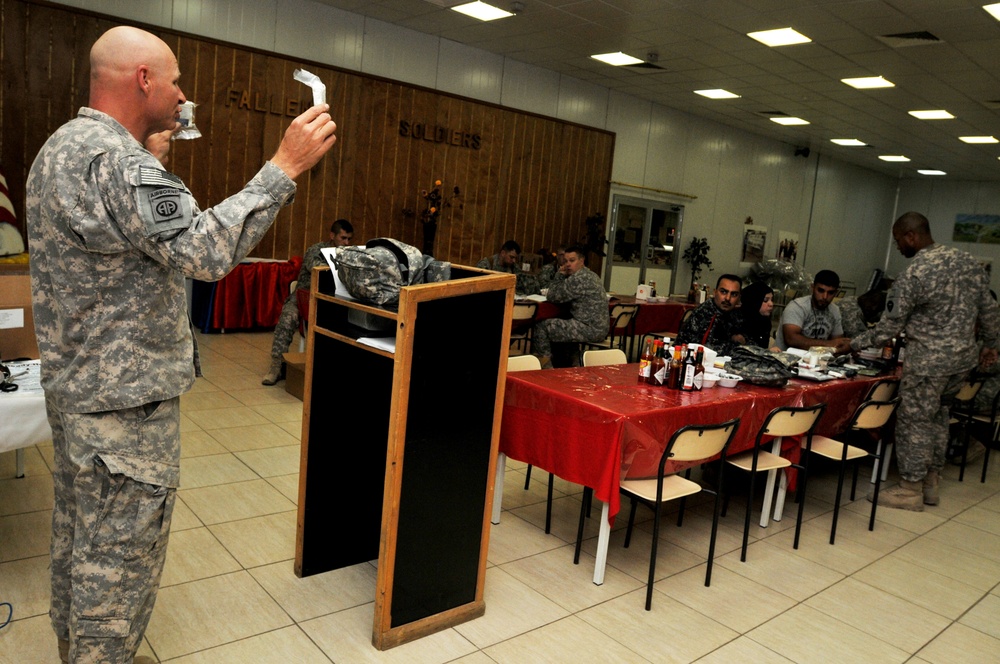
(849, 142)
(893, 157)
(978, 139)
(932, 115)
(717, 93)
(482, 11)
(779, 37)
(994, 10)
(788, 120)
(930, 171)
(868, 82)
(617, 59)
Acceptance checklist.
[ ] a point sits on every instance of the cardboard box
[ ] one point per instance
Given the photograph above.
(17, 328)
(295, 374)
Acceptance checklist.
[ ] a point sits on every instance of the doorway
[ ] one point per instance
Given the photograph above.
(642, 236)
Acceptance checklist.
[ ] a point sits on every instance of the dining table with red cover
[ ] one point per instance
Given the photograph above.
(596, 426)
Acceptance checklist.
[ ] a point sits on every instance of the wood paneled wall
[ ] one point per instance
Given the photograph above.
(533, 178)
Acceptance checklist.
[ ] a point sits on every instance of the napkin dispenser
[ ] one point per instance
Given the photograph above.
(642, 292)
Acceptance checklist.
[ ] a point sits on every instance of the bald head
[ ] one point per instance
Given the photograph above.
(912, 233)
(134, 79)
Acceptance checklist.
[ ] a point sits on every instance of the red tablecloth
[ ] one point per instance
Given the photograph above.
(596, 426)
(252, 294)
(651, 317)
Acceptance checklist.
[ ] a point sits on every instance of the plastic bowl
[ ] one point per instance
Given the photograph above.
(708, 380)
(729, 380)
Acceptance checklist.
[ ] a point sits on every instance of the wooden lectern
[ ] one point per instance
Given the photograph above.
(399, 447)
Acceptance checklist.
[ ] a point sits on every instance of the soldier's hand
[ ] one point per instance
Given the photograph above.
(158, 144)
(307, 139)
(841, 345)
(987, 357)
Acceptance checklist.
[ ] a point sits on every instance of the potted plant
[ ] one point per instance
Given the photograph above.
(696, 255)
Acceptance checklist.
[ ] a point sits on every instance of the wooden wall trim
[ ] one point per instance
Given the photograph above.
(532, 178)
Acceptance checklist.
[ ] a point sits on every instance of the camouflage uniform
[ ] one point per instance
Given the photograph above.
(112, 236)
(526, 284)
(721, 326)
(588, 304)
(937, 300)
(288, 322)
(547, 275)
(851, 317)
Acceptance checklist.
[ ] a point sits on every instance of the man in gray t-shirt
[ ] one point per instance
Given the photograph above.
(813, 320)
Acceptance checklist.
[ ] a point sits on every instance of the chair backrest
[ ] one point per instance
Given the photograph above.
(523, 363)
(621, 315)
(696, 442)
(292, 286)
(874, 414)
(884, 390)
(791, 421)
(599, 358)
(969, 390)
(524, 311)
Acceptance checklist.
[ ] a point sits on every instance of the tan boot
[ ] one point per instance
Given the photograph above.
(931, 482)
(64, 651)
(273, 374)
(904, 496)
(143, 659)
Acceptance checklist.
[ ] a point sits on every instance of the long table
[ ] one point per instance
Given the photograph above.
(596, 426)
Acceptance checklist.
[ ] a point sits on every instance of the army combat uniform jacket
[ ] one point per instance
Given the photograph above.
(938, 300)
(710, 326)
(526, 284)
(112, 236)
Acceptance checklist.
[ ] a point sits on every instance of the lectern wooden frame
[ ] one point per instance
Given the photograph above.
(399, 449)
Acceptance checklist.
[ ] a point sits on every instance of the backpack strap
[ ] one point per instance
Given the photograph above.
(404, 262)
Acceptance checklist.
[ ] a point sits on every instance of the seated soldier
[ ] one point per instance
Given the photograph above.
(508, 260)
(550, 270)
(579, 289)
(716, 323)
(813, 320)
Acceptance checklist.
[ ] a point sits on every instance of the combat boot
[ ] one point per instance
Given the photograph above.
(275, 373)
(931, 482)
(903, 496)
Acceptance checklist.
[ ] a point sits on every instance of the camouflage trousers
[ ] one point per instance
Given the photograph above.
(288, 325)
(559, 330)
(922, 422)
(115, 481)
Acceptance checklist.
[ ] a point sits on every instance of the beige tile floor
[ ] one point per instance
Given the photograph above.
(921, 587)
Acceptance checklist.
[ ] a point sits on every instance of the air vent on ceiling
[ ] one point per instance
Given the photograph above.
(993, 104)
(773, 114)
(903, 39)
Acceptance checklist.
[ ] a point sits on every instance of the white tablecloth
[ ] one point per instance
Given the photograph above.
(22, 414)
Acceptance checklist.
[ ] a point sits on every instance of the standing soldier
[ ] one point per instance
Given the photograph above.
(112, 236)
(937, 300)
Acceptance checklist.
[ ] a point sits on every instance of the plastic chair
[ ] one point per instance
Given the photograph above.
(600, 358)
(522, 325)
(692, 443)
(870, 416)
(781, 422)
(620, 321)
(531, 363)
(963, 414)
(883, 390)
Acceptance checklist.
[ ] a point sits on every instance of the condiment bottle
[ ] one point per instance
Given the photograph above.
(656, 363)
(699, 368)
(687, 372)
(660, 374)
(644, 361)
(674, 375)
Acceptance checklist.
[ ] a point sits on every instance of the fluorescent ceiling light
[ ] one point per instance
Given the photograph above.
(779, 37)
(482, 11)
(717, 93)
(849, 142)
(978, 139)
(868, 82)
(787, 120)
(893, 157)
(994, 10)
(617, 59)
(930, 171)
(932, 115)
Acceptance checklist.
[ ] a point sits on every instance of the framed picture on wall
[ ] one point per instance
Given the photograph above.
(754, 239)
(787, 248)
